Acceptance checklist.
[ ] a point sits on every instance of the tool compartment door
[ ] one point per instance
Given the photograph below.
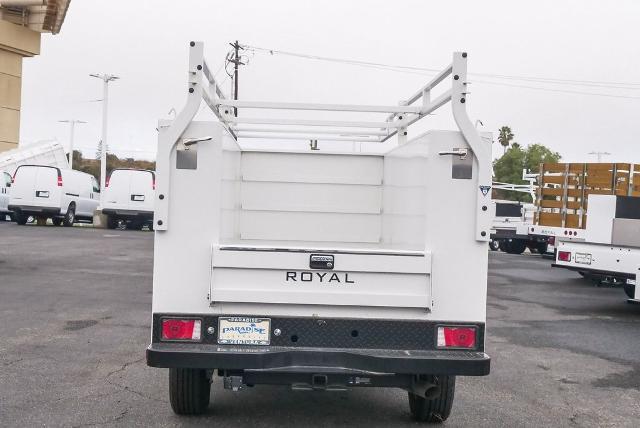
(284, 276)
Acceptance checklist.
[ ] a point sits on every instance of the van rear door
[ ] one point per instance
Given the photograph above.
(141, 190)
(117, 190)
(47, 190)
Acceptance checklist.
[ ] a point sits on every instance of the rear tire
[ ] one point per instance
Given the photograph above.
(135, 225)
(21, 219)
(516, 246)
(437, 409)
(189, 391)
(629, 290)
(542, 247)
(112, 222)
(70, 216)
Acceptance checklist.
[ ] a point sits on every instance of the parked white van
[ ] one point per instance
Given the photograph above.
(129, 197)
(64, 195)
(5, 189)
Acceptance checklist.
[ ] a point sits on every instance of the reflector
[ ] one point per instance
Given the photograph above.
(180, 329)
(564, 256)
(457, 337)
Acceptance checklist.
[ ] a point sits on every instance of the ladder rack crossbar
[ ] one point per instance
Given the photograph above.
(339, 132)
(319, 107)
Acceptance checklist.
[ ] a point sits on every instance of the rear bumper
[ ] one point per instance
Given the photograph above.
(128, 214)
(228, 357)
(330, 344)
(587, 269)
(35, 210)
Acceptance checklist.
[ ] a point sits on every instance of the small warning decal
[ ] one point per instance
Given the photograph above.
(485, 190)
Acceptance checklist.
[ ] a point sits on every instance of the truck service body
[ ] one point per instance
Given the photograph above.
(5, 191)
(320, 269)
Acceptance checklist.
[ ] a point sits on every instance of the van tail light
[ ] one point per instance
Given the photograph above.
(181, 329)
(564, 256)
(59, 179)
(106, 181)
(457, 337)
(13, 179)
(153, 183)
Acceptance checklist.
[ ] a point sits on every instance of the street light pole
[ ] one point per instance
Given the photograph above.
(106, 78)
(72, 125)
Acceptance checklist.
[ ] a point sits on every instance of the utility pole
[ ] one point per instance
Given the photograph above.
(106, 78)
(236, 62)
(72, 126)
(599, 155)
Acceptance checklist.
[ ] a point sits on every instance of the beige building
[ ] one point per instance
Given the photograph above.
(21, 24)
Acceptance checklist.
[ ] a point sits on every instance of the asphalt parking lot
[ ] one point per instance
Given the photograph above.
(75, 309)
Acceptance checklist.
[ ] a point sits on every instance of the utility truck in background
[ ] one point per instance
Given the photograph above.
(611, 248)
(513, 220)
(48, 153)
(320, 269)
(5, 192)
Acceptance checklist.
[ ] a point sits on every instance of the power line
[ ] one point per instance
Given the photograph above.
(565, 91)
(422, 70)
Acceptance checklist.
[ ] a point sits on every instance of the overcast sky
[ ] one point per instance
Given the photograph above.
(145, 42)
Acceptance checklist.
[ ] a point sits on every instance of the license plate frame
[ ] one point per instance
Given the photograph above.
(244, 331)
(583, 258)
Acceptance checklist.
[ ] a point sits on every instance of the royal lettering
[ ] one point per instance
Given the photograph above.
(320, 277)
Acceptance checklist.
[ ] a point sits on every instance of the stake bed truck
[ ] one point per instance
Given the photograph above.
(320, 269)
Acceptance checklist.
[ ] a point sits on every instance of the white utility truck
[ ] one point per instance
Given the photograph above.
(64, 195)
(510, 229)
(50, 153)
(129, 196)
(320, 269)
(612, 243)
(5, 192)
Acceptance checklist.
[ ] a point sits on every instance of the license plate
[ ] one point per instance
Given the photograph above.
(137, 198)
(244, 331)
(42, 194)
(583, 258)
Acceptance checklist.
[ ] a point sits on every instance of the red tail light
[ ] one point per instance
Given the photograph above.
(181, 329)
(13, 179)
(564, 256)
(106, 181)
(59, 180)
(153, 183)
(457, 337)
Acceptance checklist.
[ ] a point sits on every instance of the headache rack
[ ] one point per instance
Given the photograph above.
(202, 85)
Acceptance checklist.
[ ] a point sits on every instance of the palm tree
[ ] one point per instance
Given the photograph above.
(505, 137)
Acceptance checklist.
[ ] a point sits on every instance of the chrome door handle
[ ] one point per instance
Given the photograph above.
(455, 152)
